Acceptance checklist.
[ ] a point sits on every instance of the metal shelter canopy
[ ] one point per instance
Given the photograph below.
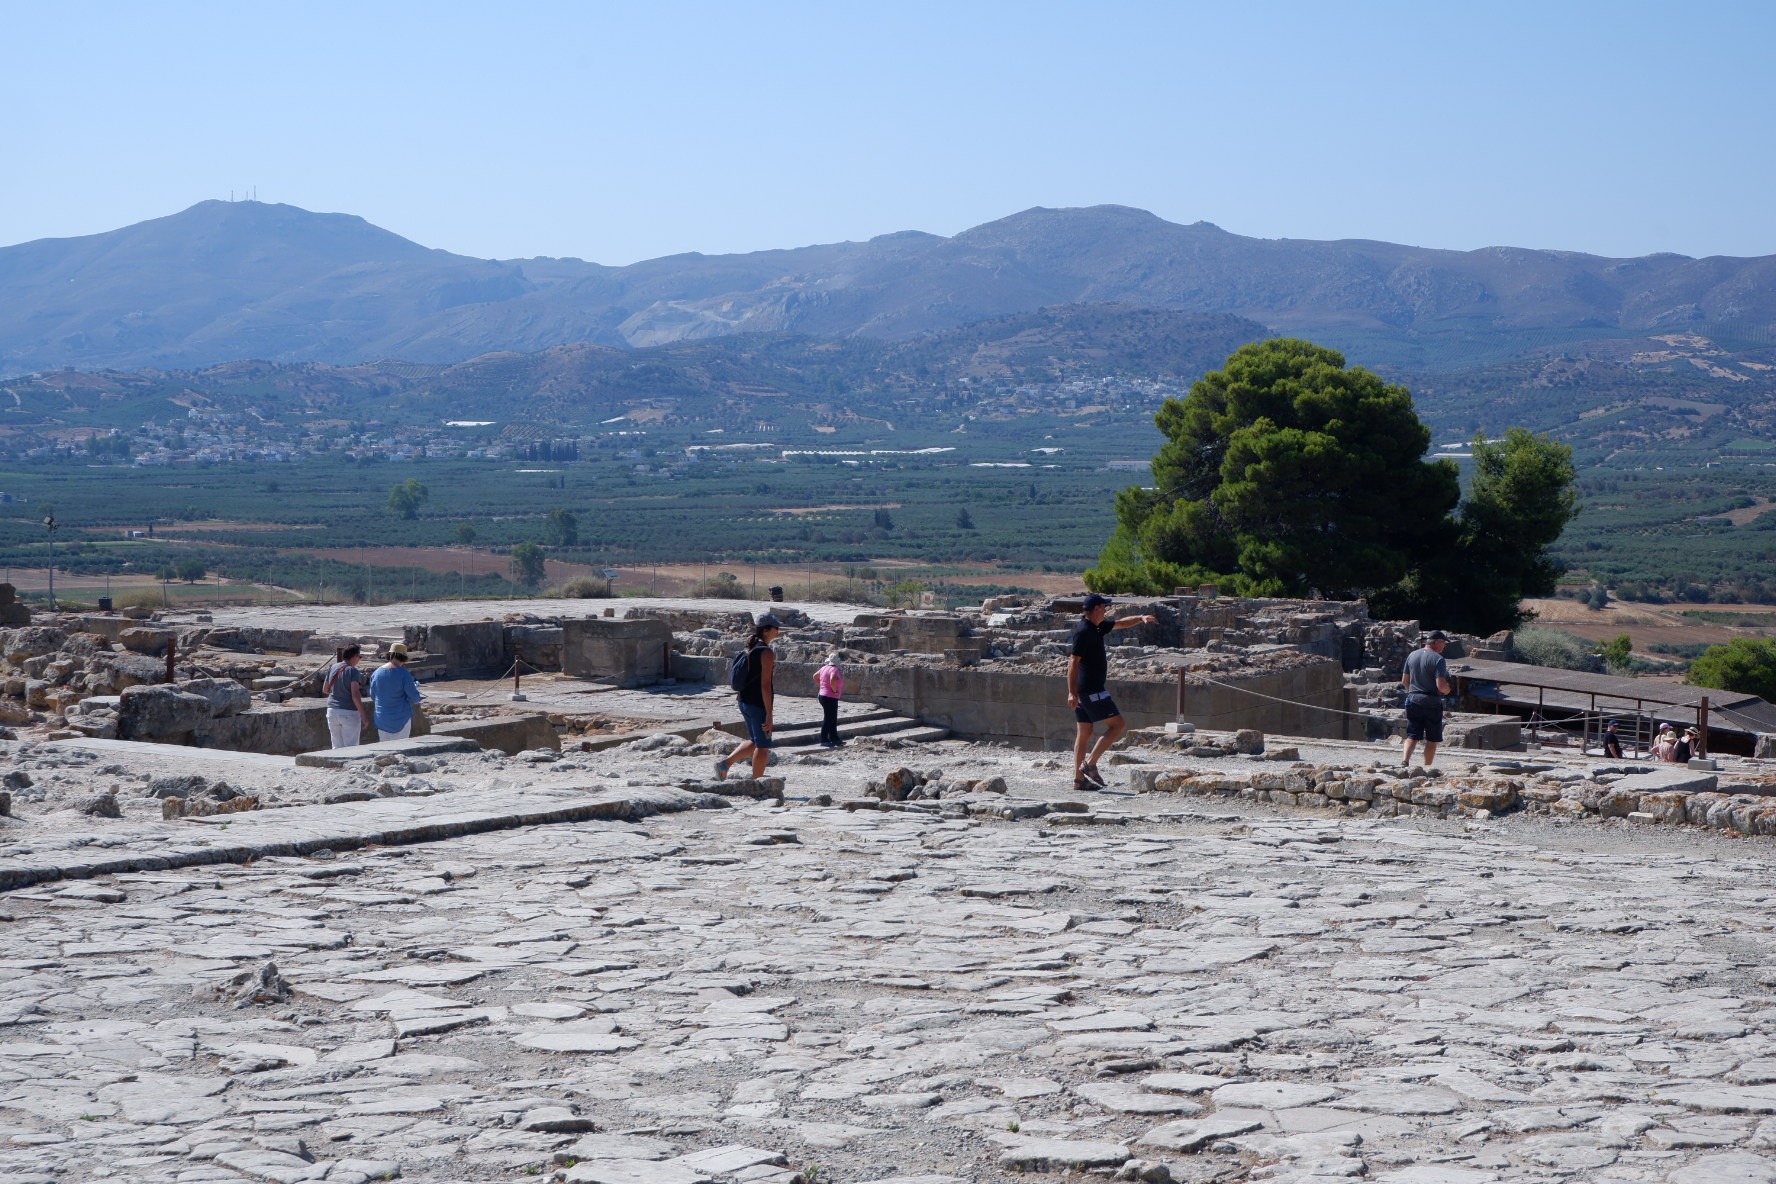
(1579, 690)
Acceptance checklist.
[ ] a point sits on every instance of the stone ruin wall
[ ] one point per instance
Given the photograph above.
(994, 671)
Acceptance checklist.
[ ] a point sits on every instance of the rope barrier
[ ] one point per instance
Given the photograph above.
(1536, 723)
(1203, 678)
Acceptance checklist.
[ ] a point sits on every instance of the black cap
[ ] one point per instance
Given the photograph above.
(1093, 600)
(1436, 635)
(768, 621)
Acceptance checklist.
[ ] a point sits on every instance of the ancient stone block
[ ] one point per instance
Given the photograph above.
(510, 734)
(147, 639)
(1697, 806)
(32, 641)
(1494, 798)
(1666, 807)
(226, 696)
(627, 652)
(186, 786)
(100, 805)
(159, 712)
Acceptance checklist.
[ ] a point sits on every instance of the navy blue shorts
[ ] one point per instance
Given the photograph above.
(1424, 719)
(1095, 709)
(755, 725)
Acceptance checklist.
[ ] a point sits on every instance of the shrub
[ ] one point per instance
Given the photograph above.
(140, 598)
(842, 592)
(723, 585)
(1551, 647)
(1744, 665)
(1617, 653)
(581, 588)
(904, 594)
(527, 565)
(1688, 651)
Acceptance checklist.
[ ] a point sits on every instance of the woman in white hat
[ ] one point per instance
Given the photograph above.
(829, 685)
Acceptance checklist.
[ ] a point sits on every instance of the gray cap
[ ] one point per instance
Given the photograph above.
(1436, 635)
(768, 621)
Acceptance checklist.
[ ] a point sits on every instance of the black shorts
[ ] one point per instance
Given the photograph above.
(1424, 719)
(1095, 709)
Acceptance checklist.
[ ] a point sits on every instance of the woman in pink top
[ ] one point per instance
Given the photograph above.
(829, 684)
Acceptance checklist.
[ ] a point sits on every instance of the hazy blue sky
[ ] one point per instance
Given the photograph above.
(620, 132)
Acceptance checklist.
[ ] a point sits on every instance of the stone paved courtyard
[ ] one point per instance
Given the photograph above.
(1188, 990)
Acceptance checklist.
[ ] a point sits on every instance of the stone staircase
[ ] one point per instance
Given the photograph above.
(857, 720)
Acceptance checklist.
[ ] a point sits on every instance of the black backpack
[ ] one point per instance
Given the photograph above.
(738, 668)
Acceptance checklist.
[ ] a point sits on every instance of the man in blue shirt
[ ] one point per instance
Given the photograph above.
(394, 694)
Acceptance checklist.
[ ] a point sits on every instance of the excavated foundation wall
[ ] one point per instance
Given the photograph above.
(1030, 710)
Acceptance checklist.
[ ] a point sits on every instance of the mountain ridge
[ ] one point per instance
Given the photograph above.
(228, 280)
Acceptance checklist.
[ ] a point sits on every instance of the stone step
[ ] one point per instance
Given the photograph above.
(923, 734)
(337, 758)
(894, 726)
(875, 715)
(887, 725)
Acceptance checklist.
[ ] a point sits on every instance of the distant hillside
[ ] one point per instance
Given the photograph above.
(584, 383)
(223, 281)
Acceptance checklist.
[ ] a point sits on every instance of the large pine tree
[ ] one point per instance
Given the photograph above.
(1285, 473)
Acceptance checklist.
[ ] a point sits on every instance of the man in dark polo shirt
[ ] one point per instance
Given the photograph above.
(1426, 679)
(1087, 670)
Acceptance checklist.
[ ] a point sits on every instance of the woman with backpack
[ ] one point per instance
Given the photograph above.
(751, 674)
(343, 686)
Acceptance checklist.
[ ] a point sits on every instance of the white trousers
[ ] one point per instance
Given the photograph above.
(345, 725)
(406, 731)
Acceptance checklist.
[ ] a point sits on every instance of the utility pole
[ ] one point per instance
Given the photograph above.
(49, 529)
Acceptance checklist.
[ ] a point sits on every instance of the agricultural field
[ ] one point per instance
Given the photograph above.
(326, 526)
(965, 462)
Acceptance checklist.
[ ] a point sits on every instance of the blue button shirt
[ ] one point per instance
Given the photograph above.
(394, 692)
